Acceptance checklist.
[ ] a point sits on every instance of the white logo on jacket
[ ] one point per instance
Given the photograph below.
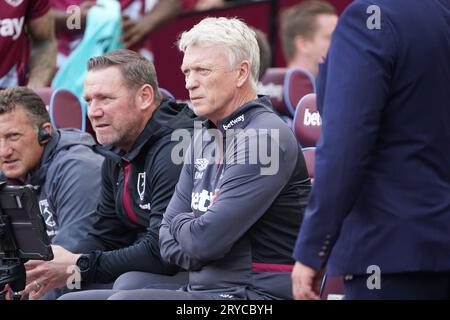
(233, 122)
(141, 185)
(200, 166)
(48, 217)
(146, 206)
(199, 199)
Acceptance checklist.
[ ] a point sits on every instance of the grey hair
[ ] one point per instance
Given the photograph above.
(234, 34)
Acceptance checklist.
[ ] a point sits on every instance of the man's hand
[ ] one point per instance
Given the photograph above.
(7, 292)
(306, 282)
(43, 276)
(133, 31)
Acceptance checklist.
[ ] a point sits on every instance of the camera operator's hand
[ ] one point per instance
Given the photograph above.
(43, 276)
(7, 292)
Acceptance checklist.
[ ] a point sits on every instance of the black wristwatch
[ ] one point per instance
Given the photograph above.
(84, 264)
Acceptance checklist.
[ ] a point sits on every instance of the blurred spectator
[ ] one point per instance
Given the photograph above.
(139, 19)
(209, 4)
(306, 31)
(203, 5)
(265, 52)
(27, 43)
(101, 35)
(68, 37)
(188, 5)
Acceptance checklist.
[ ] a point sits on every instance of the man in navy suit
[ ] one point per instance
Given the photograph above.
(379, 212)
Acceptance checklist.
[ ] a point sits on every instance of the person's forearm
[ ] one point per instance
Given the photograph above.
(142, 256)
(42, 63)
(172, 253)
(163, 12)
(42, 60)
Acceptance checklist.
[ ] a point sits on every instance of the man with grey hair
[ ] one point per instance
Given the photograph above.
(231, 223)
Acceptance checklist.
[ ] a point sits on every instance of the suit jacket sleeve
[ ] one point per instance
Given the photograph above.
(358, 68)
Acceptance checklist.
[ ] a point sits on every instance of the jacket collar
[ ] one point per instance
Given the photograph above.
(239, 118)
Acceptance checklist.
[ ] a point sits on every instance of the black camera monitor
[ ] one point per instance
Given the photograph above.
(22, 224)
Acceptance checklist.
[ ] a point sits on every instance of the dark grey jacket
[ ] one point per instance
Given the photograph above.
(136, 188)
(240, 244)
(69, 176)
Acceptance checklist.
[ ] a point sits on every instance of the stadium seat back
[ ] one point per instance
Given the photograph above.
(64, 108)
(45, 94)
(298, 82)
(272, 85)
(307, 123)
(286, 87)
